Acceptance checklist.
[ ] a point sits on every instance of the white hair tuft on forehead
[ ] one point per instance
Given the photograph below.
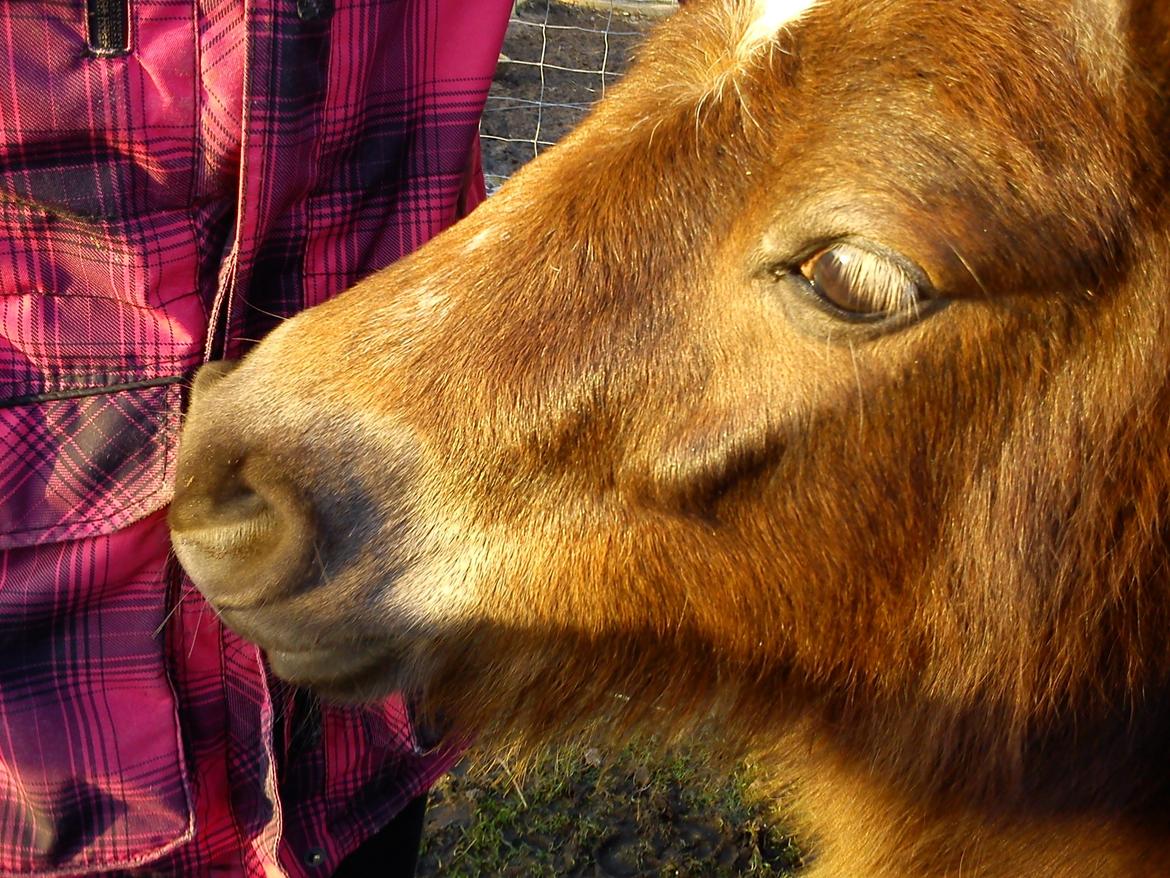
(768, 17)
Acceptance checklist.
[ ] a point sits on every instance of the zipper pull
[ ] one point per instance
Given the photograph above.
(108, 26)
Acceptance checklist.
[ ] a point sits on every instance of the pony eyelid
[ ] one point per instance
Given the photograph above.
(867, 271)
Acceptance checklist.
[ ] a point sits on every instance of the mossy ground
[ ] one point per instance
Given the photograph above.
(587, 814)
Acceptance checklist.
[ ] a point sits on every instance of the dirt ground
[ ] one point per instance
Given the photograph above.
(595, 814)
(585, 814)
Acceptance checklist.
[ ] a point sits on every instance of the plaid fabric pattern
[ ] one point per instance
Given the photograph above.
(164, 201)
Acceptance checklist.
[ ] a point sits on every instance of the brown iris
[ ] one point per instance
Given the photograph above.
(862, 282)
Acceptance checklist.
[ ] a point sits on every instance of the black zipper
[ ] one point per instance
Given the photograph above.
(108, 26)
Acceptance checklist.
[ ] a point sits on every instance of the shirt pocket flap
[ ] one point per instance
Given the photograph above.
(86, 465)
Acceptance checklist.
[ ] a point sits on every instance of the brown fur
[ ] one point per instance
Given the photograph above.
(585, 459)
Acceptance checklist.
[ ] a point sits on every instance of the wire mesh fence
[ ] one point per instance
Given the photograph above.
(559, 57)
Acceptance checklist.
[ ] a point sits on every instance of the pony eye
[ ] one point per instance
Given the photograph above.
(862, 283)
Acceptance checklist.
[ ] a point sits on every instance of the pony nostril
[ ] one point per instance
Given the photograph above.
(239, 531)
(239, 526)
(229, 517)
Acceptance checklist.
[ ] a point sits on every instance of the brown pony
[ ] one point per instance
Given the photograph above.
(817, 386)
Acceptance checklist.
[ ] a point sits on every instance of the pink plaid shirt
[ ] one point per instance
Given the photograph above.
(176, 176)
